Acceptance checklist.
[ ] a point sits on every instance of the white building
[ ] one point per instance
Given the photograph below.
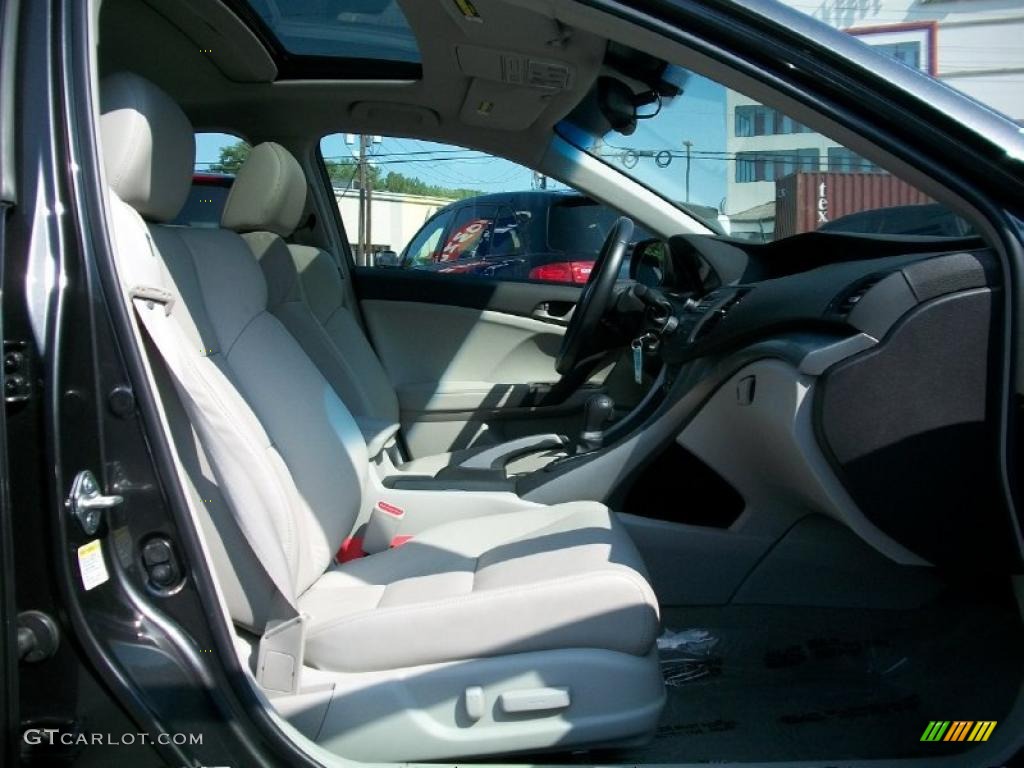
(395, 217)
(977, 46)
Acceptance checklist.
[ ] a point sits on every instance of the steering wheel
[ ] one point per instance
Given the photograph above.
(595, 298)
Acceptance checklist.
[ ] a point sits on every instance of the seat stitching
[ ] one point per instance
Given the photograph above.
(241, 333)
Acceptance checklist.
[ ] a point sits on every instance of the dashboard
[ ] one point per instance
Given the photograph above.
(845, 375)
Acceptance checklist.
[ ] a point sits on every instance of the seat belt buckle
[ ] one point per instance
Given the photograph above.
(382, 527)
(281, 650)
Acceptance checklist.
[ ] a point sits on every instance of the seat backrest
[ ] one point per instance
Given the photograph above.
(281, 444)
(306, 290)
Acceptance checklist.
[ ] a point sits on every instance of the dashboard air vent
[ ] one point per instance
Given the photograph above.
(845, 302)
(716, 311)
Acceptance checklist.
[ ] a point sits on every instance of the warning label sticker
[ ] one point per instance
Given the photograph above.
(92, 565)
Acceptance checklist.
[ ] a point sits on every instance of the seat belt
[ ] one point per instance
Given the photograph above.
(282, 644)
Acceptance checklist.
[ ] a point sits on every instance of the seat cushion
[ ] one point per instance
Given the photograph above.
(544, 578)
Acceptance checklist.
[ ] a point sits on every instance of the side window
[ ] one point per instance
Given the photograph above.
(425, 247)
(509, 237)
(471, 233)
(218, 158)
(577, 228)
(493, 213)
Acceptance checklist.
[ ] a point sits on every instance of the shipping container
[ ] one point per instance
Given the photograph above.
(806, 201)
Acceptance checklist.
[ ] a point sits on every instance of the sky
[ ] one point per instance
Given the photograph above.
(698, 115)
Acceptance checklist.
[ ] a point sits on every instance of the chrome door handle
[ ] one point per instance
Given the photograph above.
(543, 312)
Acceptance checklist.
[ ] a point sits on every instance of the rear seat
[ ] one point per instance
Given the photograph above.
(511, 632)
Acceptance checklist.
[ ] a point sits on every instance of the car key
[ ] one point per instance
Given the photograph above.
(638, 355)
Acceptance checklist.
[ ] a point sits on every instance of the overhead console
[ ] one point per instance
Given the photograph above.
(520, 63)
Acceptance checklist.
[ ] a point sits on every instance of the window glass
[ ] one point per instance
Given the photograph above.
(971, 45)
(758, 120)
(218, 158)
(508, 237)
(497, 221)
(470, 233)
(355, 29)
(483, 231)
(580, 226)
(769, 165)
(908, 53)
(425, 248)
(748, 169)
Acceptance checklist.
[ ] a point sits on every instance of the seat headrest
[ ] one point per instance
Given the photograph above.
(149, 146)
(269, 193)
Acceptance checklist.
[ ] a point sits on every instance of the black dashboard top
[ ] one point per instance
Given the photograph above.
(860, 296)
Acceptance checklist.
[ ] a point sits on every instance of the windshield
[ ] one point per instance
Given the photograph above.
(744, 168)
(580, 225)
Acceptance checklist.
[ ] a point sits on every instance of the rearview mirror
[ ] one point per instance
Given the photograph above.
(615, 100)
(386, 259)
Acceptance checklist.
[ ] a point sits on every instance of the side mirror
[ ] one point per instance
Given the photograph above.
(386, 259)
(650, 263)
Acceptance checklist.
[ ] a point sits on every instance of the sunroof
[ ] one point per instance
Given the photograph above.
(341, 29)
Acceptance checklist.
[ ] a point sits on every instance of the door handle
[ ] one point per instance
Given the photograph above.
(554, 312)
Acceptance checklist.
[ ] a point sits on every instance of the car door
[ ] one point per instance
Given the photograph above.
(467, 338)
(467, 353)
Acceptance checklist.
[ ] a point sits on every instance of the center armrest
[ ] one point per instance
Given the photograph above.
(496, 457)
(454, 479)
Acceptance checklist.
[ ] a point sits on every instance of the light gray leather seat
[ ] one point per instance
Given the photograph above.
(306, 293)
(305, 289)
(500, 633)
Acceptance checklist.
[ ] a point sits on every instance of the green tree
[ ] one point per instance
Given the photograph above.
(231, 158)
(345, 172)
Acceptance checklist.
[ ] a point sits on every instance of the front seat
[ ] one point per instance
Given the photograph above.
(306, 293)
(500, 633)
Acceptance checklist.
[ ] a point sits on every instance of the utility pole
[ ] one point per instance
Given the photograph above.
(688, 144)
(368, 253)
(361, 251)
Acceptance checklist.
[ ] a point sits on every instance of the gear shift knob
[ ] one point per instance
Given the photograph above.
(596, 414)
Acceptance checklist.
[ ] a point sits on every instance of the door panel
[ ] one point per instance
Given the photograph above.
(464, 352)
(513, 298)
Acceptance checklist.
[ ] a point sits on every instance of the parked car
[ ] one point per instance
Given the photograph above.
(927, 220)
(544, 235)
